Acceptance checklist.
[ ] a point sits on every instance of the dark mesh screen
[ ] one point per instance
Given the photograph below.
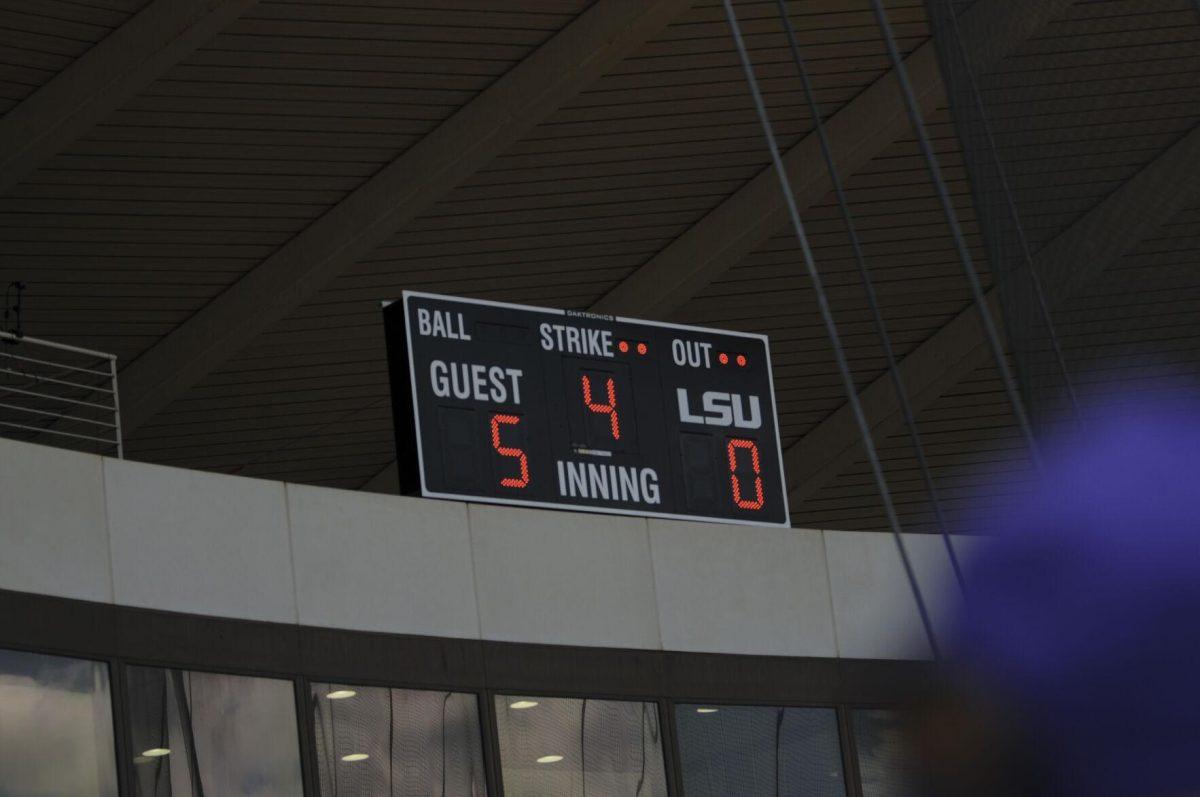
(882, 761)
(760, 750)
(1049, 135)
(607, 747)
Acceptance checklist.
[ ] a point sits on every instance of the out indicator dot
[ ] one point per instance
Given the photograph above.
(741, 360)
(642, 348)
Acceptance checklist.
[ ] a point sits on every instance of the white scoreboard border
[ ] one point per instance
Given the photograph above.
(427, 493)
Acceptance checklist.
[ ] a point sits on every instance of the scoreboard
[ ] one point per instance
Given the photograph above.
(504, 403)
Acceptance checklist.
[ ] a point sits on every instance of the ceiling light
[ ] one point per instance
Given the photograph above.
(549, 759)
(341, 694)
(520, 704)
(706, 711)
(355, 757)
(156, 752)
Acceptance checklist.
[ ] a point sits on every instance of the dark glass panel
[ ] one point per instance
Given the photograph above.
(760, 750)
(399, 742)
(197, 733)
(56, 727)
(882, 761)
(572, 747)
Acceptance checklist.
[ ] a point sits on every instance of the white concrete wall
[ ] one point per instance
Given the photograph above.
(107, 530)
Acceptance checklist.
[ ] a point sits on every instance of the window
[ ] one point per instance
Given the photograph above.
(374, 740)
(197, 732)
(759, 750)
(56, 727)
(882, 761)
(567, 747)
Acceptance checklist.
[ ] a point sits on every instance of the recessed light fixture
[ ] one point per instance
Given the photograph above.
(521, 704)
(355, 757)
(549, 759)
(706, 711)
(341, 694)
(156, 752)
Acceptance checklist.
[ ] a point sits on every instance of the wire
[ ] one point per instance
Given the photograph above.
(333, 742)
(864, 274)
(392, 743)
(1034, 276)
(642, 775)
(831, 328)
(582, 747)
(164, 735)
(778, 734)
(445, 700)
(318, 723)
(183, 697)
(960, 241)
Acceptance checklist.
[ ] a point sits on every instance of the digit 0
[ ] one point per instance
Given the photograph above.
(745, 503)
(609, 409)
(509, 451)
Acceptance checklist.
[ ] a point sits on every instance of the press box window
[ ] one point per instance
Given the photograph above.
(56, 727)
(759, 751)
(198, 733)
(572, 748)
(376, 740)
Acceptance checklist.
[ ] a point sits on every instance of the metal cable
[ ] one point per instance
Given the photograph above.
(864, 274)
(960, 241)
(830, 326)
(778, 735)
(583, 747)
(1035, 277)
(642, 775)
(445, 700)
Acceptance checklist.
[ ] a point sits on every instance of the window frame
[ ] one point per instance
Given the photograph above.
(121, 636)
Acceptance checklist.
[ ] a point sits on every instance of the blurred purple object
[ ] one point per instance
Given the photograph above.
(1085, 612)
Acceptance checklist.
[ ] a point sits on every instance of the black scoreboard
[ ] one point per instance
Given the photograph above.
(510, 404)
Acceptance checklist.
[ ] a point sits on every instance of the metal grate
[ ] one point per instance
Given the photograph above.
(59, 395)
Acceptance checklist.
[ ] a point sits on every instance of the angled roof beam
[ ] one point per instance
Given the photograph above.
(102, 79)
(584, 50)
(859, 132)
(1067, 264)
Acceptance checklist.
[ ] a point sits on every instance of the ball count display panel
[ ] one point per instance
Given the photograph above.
(511, 404)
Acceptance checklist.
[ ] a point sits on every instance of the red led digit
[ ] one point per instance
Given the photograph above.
(508, 451)
(743, 503)
(609, 409)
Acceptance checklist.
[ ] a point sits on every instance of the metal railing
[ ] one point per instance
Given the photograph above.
(59, 395)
